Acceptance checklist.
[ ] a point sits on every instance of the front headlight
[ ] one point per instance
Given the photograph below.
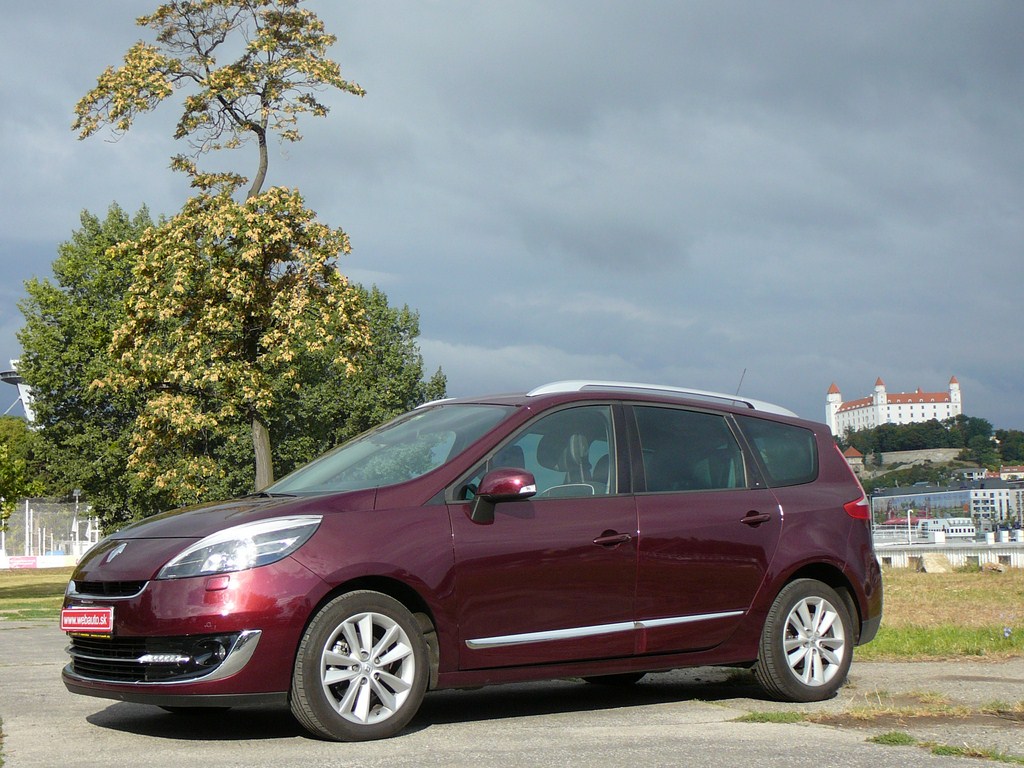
(242, 547)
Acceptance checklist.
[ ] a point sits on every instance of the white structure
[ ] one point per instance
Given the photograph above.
(995, 503)
(1011, 473)
(882, 407)
(24, 393)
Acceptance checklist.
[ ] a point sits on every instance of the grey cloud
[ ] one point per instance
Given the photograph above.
(657, 190)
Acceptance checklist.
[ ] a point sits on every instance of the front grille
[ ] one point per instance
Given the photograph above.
(106, 588)
(148, 659)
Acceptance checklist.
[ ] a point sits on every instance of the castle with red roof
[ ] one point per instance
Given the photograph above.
(882, 407)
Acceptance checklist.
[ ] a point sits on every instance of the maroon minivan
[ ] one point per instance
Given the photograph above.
(596, 530)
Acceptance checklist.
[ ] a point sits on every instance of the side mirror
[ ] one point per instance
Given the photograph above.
(500, 484)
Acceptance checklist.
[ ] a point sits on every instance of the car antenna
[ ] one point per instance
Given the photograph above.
(742, 376)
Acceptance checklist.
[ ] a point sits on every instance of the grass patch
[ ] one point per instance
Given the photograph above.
(975, 752)
(894, 739)
(930, 616)
(942, 643)
(32, 593)
(901, 739)
(772, 717)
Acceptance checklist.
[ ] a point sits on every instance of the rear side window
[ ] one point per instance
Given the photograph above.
(789, 453)
(688, 450)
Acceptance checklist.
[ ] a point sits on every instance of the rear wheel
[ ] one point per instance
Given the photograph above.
(806, 644)
(361, 669)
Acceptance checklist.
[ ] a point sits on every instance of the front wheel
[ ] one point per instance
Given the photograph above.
(361, 669)
(806, 644)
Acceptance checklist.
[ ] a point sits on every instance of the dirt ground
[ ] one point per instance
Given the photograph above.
(974, 703)
(960, 703)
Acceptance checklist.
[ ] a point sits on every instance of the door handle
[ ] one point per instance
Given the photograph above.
(612, 539)
(755, 518)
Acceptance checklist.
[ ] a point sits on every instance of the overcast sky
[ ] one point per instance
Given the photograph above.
(686, 193)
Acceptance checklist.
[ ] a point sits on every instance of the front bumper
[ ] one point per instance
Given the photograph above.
(203, 641)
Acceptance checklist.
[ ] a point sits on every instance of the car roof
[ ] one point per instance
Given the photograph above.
(580, 386)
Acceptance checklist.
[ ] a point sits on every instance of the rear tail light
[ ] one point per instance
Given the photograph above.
(858, 509)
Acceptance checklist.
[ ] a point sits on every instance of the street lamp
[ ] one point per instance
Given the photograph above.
(74, 523)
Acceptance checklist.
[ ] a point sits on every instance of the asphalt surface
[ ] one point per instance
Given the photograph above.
(667, 719)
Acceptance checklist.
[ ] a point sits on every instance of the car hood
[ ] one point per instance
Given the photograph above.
(140, 550)
(204, 519)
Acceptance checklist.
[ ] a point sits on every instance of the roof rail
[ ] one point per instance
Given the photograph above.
(580, 385)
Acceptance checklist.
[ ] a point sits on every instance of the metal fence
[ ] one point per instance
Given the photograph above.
(40, 527)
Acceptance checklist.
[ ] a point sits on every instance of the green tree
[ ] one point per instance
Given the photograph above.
(861, 439)
(981, 450)
(1011, 445)
(390, 378)
(963, 429)
(19, 475)
(226, 300)
(887, 438)
(83, 432)
(277, 64)
(333, 405)
(956, 432)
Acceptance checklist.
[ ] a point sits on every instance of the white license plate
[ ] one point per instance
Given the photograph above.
(88, 620)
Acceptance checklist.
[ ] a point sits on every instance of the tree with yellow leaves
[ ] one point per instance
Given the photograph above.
(280, 67)
(226, 295)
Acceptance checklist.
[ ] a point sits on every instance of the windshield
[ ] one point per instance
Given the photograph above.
(400, 450)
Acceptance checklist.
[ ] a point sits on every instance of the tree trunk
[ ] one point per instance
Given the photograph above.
(261, 170)
(260, 433)
(261, 446)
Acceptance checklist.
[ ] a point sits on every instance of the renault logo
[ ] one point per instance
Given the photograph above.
(116, 551)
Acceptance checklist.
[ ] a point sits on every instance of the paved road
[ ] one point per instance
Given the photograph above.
(670, 719)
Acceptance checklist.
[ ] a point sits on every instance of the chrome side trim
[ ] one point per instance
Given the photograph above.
(572, 633)
(550, 635)
(650, 623)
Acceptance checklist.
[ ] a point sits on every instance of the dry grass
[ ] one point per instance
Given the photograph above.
(934, 616)
(970, 600)
(33, 582)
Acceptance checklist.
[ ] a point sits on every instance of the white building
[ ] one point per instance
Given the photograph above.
(881, 407)
(995, 503)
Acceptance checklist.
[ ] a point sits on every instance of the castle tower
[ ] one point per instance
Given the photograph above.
(956, 405)
(833, 400)
(879, 398)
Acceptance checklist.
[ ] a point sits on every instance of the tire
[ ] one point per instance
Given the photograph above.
(622, 680)
(361, 669)
(806, 643)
